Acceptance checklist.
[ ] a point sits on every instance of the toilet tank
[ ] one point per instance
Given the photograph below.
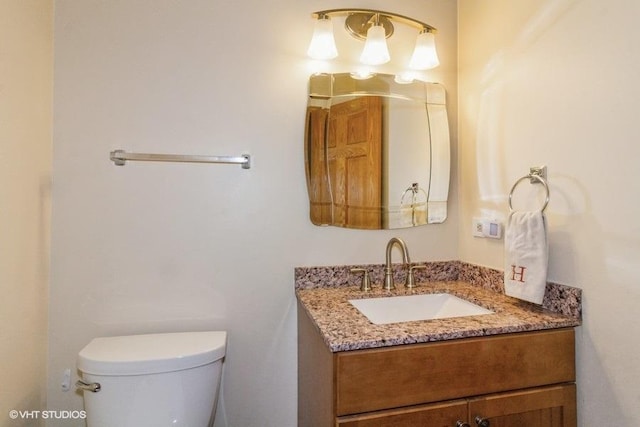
(153, 380)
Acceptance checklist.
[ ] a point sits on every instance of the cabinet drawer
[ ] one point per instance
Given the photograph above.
(392, 377)
(435, 415)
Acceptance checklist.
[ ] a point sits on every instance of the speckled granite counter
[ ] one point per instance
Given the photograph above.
(344, 328)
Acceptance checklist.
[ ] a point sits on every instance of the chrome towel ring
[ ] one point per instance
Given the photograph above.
(414, 191)
(532, 177)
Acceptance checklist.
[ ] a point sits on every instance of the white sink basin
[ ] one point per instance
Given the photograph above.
(385, 310)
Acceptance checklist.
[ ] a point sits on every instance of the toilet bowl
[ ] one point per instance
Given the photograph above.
(153, 380)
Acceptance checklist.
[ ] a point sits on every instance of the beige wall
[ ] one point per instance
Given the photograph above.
(26, 63)
(166, 247)
(556, 83)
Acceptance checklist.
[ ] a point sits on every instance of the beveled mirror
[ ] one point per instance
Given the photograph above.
(377, 152)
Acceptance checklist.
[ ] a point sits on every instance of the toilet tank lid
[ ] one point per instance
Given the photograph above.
(151, 353)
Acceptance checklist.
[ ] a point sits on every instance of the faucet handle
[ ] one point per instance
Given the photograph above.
(366, 282)
(411, 282)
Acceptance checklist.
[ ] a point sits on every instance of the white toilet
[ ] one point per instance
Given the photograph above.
(156, 380)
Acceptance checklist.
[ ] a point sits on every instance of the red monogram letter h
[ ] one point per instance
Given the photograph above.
(517, 273)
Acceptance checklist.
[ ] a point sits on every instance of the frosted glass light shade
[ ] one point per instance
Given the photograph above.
(424, 55)
(323, 45)
(375, 50)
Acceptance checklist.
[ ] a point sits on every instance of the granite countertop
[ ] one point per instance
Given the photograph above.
(344, 328)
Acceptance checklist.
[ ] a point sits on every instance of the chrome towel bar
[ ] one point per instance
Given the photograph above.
(119, 157)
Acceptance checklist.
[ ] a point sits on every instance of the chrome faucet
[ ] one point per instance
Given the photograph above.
(388, 270)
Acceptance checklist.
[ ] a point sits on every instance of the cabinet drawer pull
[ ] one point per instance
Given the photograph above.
(461, 424)
(482, 422)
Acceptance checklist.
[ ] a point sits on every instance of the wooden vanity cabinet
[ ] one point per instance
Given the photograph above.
(512, 380)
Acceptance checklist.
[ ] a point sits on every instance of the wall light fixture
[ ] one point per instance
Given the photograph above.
(374, 27)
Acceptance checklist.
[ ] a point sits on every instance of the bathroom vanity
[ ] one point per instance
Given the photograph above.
(515, 367)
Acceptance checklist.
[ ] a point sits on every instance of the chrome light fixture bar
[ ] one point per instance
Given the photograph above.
(374, 27)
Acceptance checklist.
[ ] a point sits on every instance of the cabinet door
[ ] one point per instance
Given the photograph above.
(436, 415)
(541, 407)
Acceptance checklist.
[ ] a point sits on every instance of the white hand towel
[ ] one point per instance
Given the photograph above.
(526, 256)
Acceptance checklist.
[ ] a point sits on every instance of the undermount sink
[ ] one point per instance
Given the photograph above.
(385, 310)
